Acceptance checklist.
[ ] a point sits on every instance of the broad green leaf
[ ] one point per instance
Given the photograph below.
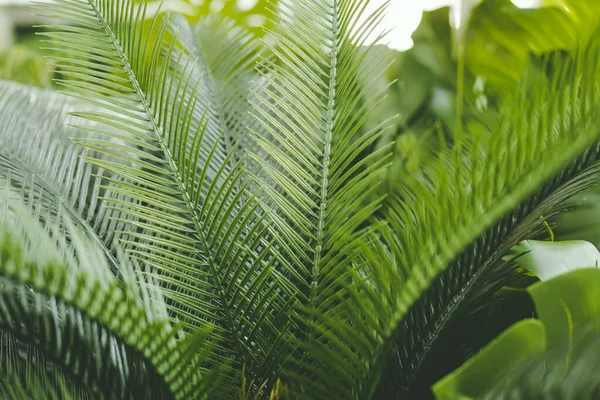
(550, 259)
(522, 340)
(568, 302)
(568, 307)
(501, 37)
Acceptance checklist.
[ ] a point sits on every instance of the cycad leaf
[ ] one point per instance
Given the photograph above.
(35, 140)
(318, 182)
(60, 295)
(231, 54)
(481, 197)
(185, 212)
(454, 220)
(28, 374)
(38, 157)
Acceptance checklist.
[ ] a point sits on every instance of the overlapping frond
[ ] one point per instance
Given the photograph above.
(232, 54)
(60, 295)
(491, 192)
(319, 183)
(279, 252)
(186, 215)
(27, 374)
(35, 140)
(468, 196)
(37, 156)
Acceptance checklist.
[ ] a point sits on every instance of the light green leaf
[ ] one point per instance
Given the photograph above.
(522, 340)
(550, 259)
(501, 35)
(568, 302)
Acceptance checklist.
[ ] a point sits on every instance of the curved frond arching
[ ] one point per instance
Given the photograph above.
(27, 374)
(186, 214)
(473, 194)
(206, 221)
(60, 295)
(232, 54)
(35, 140)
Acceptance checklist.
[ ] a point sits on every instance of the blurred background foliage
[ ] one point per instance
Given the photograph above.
(426, 93)
(23, 61)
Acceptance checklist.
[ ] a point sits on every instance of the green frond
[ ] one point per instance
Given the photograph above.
(203, 218)
(27, 374)
(229, 54)
(39, 159)
(470, 204)
(179, 186)
(319, 184)
(60, 295)
(36, 141)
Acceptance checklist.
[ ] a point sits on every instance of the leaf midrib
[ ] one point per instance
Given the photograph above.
(484, 221)
(330, 123)
(174, 170)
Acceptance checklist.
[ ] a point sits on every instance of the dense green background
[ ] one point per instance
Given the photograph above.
(444, 83)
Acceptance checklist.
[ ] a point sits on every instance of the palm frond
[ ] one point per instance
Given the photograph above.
(229, 54)
(38, 157)
(60, 295)
(35, 140)
(28, 374)
(318, 183)
(186, 214)
(457, 214)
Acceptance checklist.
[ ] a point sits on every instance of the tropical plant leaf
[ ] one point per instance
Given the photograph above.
(565, 371)
(35, 140)
(552, 360)
(468, 206)
(186, 214)
(319, 183)
(502, 34)
(281, 273)
(228, 54)
(60, 295)
(580, 219)
(549, 259)
(522, 340)
(27, 374)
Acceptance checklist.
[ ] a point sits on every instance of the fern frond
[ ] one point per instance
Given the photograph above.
(233, 55)
(35, 140)
(28, 374)
(38, 157)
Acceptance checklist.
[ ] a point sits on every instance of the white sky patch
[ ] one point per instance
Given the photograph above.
(527, 3)
(246, 5)
(402, 18)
